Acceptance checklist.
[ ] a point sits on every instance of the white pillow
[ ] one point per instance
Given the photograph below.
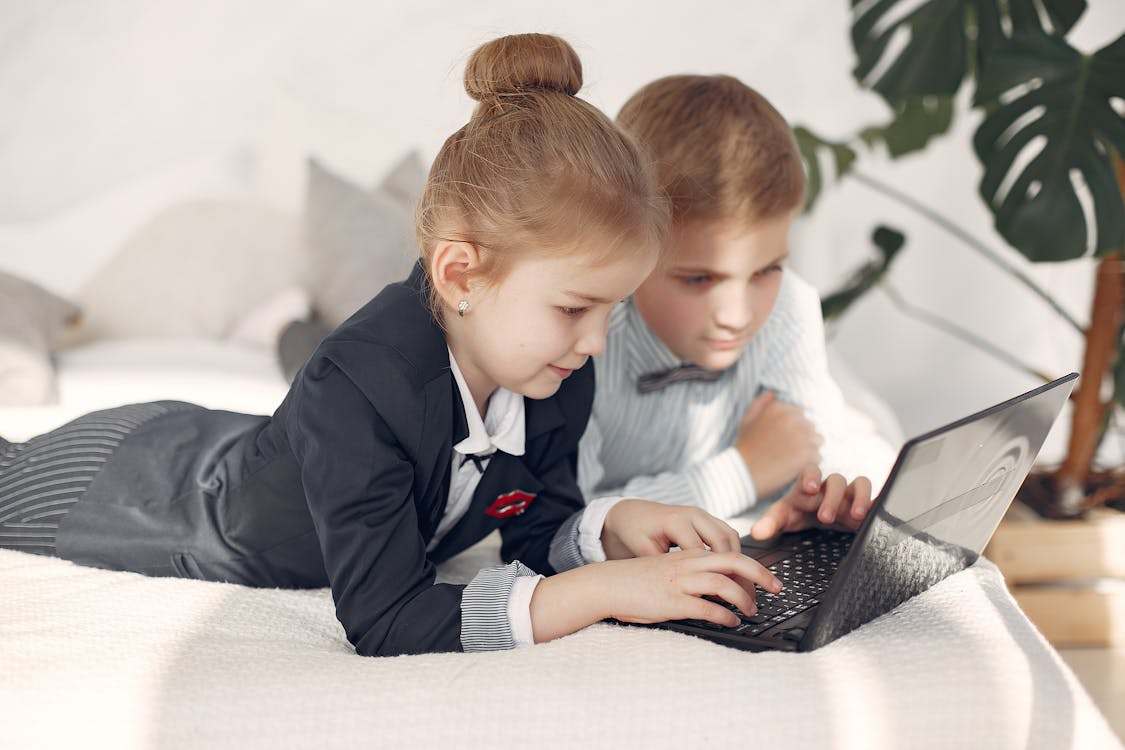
(196, 269)
(263, 325)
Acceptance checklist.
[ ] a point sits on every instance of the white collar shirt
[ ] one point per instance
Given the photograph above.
(502, 428)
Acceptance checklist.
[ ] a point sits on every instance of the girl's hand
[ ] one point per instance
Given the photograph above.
(671, 586)
(635, 528)
(649, 589)
(810, 501)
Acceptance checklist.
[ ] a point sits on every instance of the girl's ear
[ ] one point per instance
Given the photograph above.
(451, 267)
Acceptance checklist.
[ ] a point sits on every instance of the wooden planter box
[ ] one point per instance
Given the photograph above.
(1068, 576)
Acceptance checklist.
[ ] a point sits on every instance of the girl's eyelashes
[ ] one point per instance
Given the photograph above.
(573, 312)
(698, 279)
(769, 269)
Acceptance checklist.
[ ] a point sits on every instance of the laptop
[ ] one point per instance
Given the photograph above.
(943, 499)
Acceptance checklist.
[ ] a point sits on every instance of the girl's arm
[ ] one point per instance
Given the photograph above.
(359, 485)
(649, 589)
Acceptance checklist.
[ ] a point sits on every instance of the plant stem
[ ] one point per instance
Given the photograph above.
(1103, 342)
(969, 240)
(958, 332)
(1101, 350)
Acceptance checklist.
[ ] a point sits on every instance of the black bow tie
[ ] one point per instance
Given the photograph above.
(655, 381)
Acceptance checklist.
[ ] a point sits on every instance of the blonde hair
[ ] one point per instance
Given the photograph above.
(721, 150)
(536, 169)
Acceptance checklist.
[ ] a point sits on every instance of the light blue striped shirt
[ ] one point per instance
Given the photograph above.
(676, 445)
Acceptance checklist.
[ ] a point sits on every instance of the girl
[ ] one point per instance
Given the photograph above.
(449, 406)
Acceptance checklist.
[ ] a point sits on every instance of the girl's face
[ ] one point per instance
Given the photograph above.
(541, 322)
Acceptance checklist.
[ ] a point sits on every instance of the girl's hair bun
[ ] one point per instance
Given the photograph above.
(520, 64)
(537, 171)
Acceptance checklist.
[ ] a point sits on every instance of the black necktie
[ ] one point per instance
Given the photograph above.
(655, 381)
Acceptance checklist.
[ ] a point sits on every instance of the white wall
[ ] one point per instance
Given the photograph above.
(99, 97)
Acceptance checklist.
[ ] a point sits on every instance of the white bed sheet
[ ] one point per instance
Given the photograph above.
(93, 658)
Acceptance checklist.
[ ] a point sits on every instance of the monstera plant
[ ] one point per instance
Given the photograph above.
(1050, 144)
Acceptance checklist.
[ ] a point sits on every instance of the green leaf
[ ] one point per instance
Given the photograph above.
(997, 22)
(916, 122)
(933, 60)
(889, 242)
(940, 35)
(811, 146)
(1060, 100)
(1063, 14)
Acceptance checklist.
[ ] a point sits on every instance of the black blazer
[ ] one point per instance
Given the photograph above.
(343, 486)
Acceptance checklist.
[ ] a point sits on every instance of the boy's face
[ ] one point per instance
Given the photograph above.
(718, 290)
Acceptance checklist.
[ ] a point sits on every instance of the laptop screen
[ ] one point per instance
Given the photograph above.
(939, 507)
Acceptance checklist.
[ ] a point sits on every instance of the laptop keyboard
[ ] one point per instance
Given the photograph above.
(805, 574)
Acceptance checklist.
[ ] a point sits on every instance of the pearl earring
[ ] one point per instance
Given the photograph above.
(462, 307)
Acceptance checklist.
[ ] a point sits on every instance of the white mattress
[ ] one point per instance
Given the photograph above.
(91, 658)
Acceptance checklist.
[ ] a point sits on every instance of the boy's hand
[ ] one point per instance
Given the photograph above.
(832, 502)
(776, 440)
(635, 528)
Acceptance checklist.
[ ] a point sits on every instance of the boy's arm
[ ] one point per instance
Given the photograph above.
(797, 366)
(721, 485)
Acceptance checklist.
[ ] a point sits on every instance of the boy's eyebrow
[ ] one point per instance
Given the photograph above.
(588, 298)
(704, 270)
(779, 259)
(699, 271)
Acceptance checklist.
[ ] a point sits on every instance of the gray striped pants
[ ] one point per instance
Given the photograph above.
(41, 480)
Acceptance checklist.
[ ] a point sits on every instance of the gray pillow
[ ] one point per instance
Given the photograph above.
(298, 340)
(357, 241)
(405, 181)
(30, 320)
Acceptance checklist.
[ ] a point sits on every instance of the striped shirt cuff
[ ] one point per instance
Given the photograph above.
(590, 528)
(485, 623)
(564, 553)
(519, 609)
(579, 540)
(723, 484)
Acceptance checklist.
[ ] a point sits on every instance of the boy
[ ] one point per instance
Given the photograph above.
(714, 387)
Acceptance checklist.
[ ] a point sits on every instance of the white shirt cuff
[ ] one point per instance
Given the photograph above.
(590, 528)
(519, 609)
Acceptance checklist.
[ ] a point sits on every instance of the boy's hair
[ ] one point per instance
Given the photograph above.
(536, 169)
(721, 150)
